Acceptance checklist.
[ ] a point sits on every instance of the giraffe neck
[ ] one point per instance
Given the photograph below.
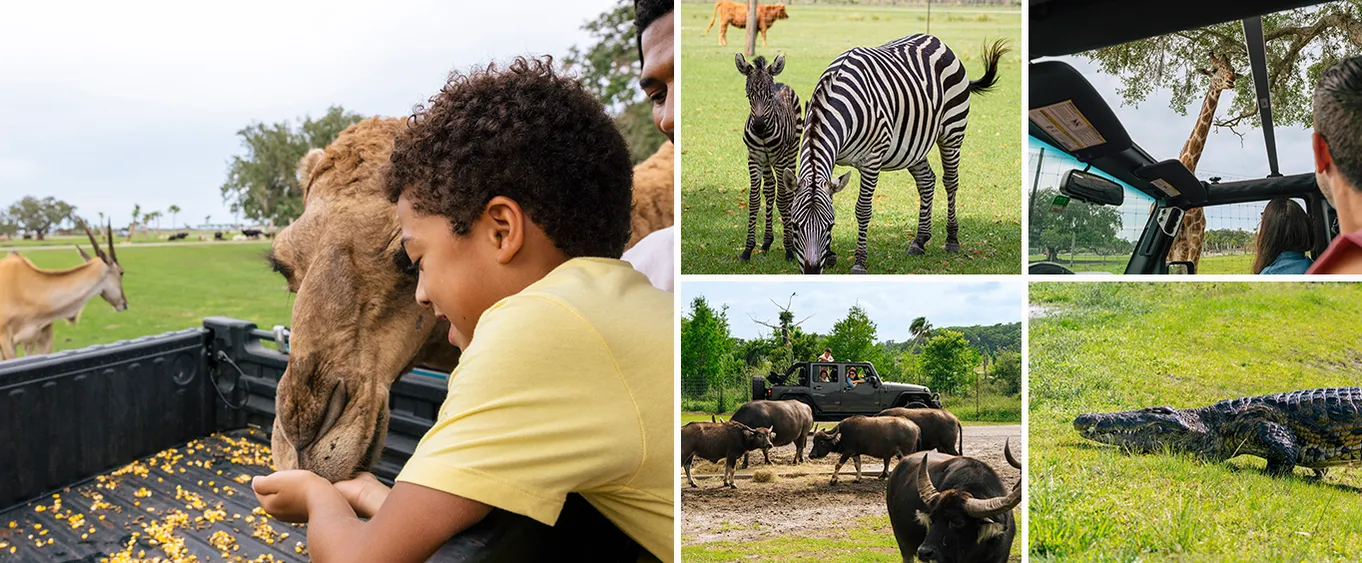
(1187, 243)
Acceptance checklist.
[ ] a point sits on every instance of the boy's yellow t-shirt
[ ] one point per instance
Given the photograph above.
(565, 387)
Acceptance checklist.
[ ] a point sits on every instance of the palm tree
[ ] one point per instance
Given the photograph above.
(921, 330)
(153, 216)
(136, 213)
(174, 210)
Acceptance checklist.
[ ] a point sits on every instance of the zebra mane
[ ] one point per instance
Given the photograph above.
(759, 62)
(813, 119)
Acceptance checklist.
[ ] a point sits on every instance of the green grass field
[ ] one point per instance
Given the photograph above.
(1223, 264)
(714, 109)
(139, 238)
(175, 287)
(1120, 346)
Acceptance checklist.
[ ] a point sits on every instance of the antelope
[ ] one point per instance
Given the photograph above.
(32, 298)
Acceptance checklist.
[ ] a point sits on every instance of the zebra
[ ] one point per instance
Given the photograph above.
(878, 109)
(772, 138)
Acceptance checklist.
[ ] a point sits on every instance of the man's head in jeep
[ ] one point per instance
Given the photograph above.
(1337, 140)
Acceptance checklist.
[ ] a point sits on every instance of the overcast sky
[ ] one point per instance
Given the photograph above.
(892, 305)
(106, 104)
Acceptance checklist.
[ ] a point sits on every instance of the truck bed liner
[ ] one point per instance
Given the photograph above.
(190, 503)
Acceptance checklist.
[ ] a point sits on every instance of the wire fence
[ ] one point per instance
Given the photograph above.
(1230, 229)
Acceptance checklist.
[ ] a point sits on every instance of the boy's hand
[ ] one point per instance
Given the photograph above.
(284, 494)
(364, 492)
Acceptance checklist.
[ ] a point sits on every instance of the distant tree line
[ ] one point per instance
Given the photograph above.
(716, 366)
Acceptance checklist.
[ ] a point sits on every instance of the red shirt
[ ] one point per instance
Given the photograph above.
(1340, 247)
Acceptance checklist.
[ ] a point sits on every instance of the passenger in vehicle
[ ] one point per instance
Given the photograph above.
(827, 355)
(1283, 239)
(1337, 144)
(823, 375)
(852, 378)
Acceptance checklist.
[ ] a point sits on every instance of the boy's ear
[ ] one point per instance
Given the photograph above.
(507, 221)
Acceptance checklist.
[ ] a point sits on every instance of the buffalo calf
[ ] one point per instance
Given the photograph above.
(714, 441)
(884, 437)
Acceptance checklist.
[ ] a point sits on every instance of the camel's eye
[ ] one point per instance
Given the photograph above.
(282, 269)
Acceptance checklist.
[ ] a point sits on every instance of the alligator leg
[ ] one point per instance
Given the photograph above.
(1278, 443)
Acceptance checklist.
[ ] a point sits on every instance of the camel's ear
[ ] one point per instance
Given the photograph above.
(778, 64)
(838, 183)
(743, 66)
(83, 255)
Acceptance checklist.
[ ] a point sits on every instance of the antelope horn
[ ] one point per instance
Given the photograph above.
(925, 488)
(83, 255)
(987, 508)
(93, 241)
(1007, 452)
(112, 256)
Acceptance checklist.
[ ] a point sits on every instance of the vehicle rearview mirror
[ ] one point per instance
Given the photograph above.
(1091, 188)
(1181, 268)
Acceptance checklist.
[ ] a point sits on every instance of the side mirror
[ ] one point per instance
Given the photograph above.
(1181, 268)
(1091, 188)
(874, 380)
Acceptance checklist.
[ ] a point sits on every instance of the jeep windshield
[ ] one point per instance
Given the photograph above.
(1090, 111)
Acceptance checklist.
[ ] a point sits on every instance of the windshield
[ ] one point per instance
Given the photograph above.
(1082, 237)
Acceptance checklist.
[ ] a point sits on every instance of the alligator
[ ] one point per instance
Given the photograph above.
(1314, 429)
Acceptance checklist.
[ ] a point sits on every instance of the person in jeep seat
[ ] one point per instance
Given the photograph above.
(853, 378)
(1283, 238)
(1337, 143)
(827, 355)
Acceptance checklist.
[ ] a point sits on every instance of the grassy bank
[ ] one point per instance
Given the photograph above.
(1120, 346)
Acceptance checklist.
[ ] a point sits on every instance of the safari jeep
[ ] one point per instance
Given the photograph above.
(822, 386)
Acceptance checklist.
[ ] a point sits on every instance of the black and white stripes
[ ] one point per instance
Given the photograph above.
(772, 138)
(877, 109)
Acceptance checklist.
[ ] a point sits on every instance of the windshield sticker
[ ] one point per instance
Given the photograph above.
(1067, 125)
(1060, 202)
(1167, 188)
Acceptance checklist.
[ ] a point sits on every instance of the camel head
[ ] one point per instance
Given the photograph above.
(356, 325)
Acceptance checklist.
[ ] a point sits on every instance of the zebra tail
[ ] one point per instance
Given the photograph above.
(992, 54)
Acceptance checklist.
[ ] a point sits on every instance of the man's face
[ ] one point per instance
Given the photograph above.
(656, 79)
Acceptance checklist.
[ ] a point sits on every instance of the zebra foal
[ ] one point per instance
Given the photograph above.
(772, 138)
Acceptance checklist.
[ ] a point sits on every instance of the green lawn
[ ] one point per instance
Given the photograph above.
(175, 287)
(1119, 346)
(714, 109)
(84, 241)
(1223, 264)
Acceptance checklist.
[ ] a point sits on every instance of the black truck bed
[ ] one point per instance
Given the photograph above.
(190, 503)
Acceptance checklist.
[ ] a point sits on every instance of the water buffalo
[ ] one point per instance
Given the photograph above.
(941, 431)
(714, 441)
(791, 421)
(218, 236)
(952, 509)
(884, 437)
(251, 233)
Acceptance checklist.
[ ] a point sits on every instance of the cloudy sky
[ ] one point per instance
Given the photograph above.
(107, 104)
(891, 305)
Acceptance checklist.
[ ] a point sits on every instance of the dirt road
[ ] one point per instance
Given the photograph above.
(800, 500)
